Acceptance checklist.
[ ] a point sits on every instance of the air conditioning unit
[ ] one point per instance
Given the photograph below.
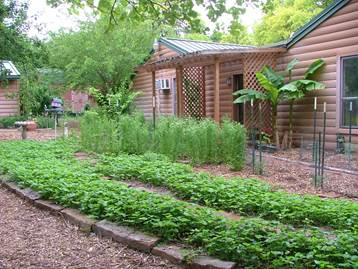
(163, 84)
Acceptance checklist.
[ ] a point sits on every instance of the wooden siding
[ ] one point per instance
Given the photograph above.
(143, 84)
(9, 106)
(227, 70)
(336, 37)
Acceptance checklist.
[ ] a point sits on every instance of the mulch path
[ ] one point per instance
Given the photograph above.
(331, 158)
(32, 238)
(293, 177)
(39, 134)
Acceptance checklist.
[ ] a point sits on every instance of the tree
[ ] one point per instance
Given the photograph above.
(96, 57)
(277, 90)
(177, 13)
(282, 18)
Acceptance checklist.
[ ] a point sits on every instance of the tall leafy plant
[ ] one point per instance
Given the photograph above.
(297, 89)
(277, 90)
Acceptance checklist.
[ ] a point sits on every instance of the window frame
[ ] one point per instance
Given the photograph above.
(341, 91)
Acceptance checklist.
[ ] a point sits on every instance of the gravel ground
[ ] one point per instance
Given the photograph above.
(32, 238)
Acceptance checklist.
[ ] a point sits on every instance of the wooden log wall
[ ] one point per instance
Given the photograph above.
(334, 38)
(227, 70)
(9, 106)
(143, 84)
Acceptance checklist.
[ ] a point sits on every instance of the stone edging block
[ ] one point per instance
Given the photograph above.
(207, 262)
(172, 253)
(121, 234)
(48, 205)
(128, 236)
(74, 216)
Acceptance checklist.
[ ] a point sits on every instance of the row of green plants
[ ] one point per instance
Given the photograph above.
(249, 197)
(201, 141)
(51, 170)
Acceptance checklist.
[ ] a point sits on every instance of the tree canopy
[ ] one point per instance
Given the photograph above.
(97, 57)
(282, 18)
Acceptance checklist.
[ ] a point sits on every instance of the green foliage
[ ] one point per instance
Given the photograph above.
(117, 101)
(99, 134)
(50, 169)
(282, 18)
(248, 197)
(45, 122)
(9, 122)
(106, 59)
(201, 141)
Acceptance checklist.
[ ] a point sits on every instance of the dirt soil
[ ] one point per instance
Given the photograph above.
(32, 238)
(294, 178)
(39, 134)
(331, 158)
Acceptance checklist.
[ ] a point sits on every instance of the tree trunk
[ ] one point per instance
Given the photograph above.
(290, 126)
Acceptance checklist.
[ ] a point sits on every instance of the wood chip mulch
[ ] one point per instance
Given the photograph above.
(32, 238)
(293, 177)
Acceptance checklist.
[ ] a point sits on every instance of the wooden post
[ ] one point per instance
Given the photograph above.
(153, 97)
(179, 81)
(216, 91)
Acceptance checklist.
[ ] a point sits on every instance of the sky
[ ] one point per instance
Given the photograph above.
(52, 19)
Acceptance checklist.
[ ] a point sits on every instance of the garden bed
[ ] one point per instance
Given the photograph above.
(332, 159)
(293, 177)
(51, 170)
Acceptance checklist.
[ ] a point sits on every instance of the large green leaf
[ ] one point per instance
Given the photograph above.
(309, 85)
(314, 68)
(275, 78)
(291, 91)
(273, 92)
(246, 95)
(291, 65)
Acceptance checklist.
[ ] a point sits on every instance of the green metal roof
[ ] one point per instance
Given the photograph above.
(11, 70)
(184, 46)
(316, 21)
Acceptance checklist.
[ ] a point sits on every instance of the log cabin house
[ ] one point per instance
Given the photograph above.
(196, 78)
(9, 89)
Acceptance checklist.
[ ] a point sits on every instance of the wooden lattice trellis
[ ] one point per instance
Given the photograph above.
(193, 92)
(252, 64)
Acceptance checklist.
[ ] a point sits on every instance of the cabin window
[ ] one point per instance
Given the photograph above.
(349, 90)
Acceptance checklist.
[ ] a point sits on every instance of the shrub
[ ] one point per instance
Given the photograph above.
(45, 122)
(9, 122)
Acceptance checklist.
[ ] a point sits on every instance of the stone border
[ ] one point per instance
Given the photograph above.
(125, 235)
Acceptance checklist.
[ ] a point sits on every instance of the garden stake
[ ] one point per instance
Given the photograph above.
(253, 135)
(350, 135)
(319, 159)
(253, 149)
(315, 166)
(314, 129)
(323, 140)
(301, 148)
(260, 137)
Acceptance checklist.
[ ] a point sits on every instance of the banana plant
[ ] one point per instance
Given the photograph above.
(297, 89)
(276, 90)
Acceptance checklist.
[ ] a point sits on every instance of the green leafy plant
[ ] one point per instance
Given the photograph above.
(51, 170)
(277, 90)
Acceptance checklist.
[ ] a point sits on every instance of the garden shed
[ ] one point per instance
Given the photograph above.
(9, 89)
(196, 78)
